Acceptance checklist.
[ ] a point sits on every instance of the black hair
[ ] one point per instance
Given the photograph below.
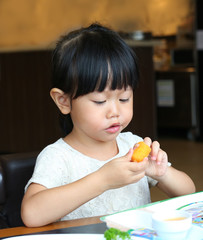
(92, 58)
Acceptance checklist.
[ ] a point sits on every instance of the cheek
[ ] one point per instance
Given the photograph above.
(128, 112)
(87, 117)
(128, 116)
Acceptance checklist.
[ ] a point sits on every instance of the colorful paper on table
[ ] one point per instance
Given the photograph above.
(196, 210)
(139, 219)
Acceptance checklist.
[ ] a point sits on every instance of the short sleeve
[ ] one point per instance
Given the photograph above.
(49, 169)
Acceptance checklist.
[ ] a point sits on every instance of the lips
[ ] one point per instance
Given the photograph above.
(113, 128)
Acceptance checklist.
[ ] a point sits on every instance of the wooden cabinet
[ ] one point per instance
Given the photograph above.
(177, 102)
(144, 121)
(199, 62)
(29, 117)
(182, 113)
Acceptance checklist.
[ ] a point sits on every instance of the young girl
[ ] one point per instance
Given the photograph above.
(89, 172)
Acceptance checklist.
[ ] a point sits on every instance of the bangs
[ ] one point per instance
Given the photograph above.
(93, 60)
(102, 65)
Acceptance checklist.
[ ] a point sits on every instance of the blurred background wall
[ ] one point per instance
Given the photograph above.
(28, 31)
(25, 23)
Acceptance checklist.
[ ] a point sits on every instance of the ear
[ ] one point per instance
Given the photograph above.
(61, 99)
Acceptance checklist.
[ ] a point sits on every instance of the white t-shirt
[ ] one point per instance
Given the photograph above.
(59, 164)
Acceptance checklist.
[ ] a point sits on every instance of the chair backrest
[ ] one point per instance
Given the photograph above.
(15, 171)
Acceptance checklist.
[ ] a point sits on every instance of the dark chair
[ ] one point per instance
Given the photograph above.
(15, 171)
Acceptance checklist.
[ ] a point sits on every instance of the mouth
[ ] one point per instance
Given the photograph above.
(114, 128)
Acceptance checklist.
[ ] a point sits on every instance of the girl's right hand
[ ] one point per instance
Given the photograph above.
(122, 171)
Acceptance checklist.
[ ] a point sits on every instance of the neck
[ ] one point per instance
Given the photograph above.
(95, 149)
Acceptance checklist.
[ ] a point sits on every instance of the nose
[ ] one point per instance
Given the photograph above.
(113, 110)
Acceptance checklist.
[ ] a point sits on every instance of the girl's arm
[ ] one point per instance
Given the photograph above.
(170, 180)
(41, 206)
(175, 183)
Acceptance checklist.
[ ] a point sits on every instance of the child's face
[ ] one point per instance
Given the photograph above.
(102, 115)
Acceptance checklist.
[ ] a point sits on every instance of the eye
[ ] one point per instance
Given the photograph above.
(124, 99)
(99, 102)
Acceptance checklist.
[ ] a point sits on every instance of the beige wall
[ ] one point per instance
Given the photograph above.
(40, 22)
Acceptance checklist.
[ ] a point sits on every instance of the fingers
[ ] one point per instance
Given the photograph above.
(139, 167)
(128, 156)
(162, 157)
(155, 150)
(155, 146)
(148, 141)
(157, 154)
(135, 167)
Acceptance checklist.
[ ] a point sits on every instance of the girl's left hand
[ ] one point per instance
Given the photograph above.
(158, 160)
